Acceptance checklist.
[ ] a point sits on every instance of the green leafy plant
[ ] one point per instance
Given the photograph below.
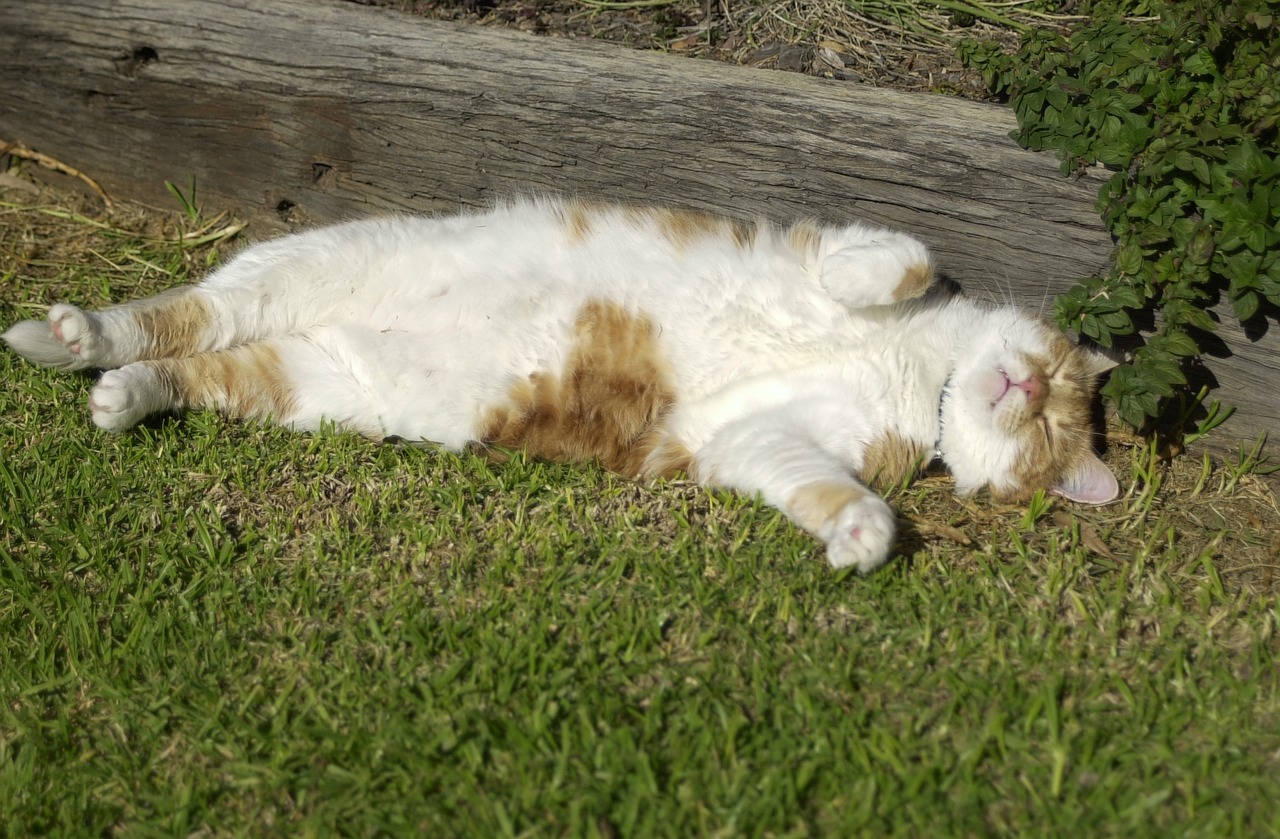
(1184, 109)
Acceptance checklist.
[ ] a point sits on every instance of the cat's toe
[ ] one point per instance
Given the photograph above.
(123, 397)
(77, 331)
(862, 535)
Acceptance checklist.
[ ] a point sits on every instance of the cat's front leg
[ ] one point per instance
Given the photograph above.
(857, 525)
(861, 266)
(777, 455)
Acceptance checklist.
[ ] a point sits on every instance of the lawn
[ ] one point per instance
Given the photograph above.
(210, 628)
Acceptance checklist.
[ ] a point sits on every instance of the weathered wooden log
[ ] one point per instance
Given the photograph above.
(315, 110)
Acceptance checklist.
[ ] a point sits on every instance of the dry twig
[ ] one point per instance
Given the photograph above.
(16, 149)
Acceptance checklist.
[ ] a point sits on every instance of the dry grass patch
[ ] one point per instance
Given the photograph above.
(892, 43)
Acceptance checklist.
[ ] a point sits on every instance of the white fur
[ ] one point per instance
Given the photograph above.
(785, 365)
(124, 397)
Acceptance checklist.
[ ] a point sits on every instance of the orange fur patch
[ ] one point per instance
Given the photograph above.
(684, 227)
(812, 505)
(607, 404)
(805, 237)
(247, 381)
(890, 460)
(174, 322)
(576, 218)
(915, 281)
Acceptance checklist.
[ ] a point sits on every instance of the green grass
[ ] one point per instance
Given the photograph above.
(222, 629)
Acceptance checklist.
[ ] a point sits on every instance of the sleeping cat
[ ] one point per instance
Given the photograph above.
(806, 364)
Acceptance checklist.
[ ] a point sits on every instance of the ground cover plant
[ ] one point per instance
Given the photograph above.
(1184, 109)
(210, 628)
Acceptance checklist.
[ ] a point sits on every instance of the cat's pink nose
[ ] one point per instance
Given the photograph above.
(1033, 387)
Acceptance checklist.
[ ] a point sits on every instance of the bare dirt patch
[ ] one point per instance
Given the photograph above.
(907, 47)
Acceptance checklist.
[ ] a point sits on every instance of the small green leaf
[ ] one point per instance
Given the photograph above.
(1200, 168)
(1200, 63)
(1246, 305)
(1200, 248)
(1178, 343)
(1129, 259)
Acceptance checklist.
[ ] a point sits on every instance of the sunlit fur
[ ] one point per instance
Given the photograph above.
(803, 363)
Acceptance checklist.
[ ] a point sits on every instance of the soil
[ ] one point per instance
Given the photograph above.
(825, 38)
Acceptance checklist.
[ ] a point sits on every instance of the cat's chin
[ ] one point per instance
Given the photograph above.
(978, 442)
(977, 456)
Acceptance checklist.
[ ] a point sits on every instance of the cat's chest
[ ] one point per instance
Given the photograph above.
(851, 393)
(879, 362)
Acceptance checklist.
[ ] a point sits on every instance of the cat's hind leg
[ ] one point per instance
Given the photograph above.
(275, 288)
(178, 322)
(289, 381)
(862, 266)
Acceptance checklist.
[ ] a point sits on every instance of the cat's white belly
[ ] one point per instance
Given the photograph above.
(448, 347)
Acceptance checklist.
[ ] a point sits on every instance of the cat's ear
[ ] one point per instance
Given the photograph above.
(1098, 361)
(1091, 482)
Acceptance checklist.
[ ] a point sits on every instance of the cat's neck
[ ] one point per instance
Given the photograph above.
(947, 335)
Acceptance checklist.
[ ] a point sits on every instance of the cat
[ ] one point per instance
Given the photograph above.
(805, 363)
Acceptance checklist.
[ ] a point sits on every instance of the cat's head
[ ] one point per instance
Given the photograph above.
(1017, 413)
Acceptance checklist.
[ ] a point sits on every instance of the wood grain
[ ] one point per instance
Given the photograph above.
(303, 111)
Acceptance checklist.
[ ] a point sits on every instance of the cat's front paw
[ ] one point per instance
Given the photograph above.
(884, 269)
(78, 332)
(122, 398)
(862, 534)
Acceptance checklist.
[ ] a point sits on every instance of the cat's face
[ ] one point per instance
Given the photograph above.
(1017, 414)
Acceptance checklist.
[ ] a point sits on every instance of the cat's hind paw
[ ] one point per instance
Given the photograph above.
(69, 339)
(122, 398)
(862, 534)
(79, 332)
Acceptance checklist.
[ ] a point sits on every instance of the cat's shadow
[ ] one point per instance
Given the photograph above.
(910, 541)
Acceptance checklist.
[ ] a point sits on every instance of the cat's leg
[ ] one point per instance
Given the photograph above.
(292, 381)
(776, 456)
(273, 288)
(863, 266)
(179, 322)
(72, 338)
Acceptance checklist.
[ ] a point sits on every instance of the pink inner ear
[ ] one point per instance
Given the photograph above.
(1090, 483)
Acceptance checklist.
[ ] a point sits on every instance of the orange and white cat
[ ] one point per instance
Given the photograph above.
(806, 364)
